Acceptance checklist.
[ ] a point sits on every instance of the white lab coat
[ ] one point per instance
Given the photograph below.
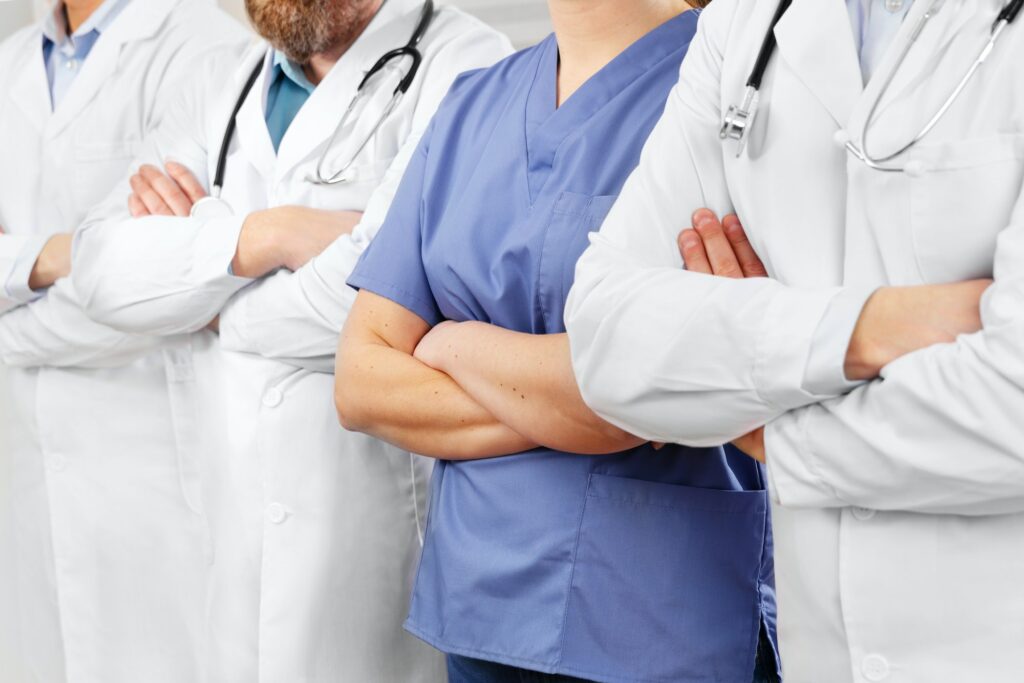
(898, 520)
(316, 530)
(110, 556)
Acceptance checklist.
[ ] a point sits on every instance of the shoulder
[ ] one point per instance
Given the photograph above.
(19, 44)
(455, 35)
(515, 69)
(202, 25)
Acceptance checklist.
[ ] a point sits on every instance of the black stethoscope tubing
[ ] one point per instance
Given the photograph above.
(410, 49)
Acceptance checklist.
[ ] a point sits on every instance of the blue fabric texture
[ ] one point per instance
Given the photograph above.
(640, 566)
(467, 670)
(289, 90)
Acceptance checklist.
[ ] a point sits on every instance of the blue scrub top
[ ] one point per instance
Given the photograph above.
(640, 566)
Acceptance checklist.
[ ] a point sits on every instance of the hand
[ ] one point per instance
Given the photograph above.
(288, 237)
(719, 248)
(752, 444)
(435, 348)
(53, 262)
(899, 320)
(155, 193)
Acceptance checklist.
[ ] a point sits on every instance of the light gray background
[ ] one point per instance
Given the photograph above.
(524, 21)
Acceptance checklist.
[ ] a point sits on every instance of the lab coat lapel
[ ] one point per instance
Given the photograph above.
(920, 63)
(140, 20)
(253, 137)
(309, 133)
(816, 42)
(29, 88)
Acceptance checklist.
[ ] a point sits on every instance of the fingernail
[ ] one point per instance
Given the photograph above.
(702, 216)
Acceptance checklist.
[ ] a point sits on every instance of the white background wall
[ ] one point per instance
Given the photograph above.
(525, 21)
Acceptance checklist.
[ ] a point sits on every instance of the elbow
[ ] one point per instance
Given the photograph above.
(352, 413)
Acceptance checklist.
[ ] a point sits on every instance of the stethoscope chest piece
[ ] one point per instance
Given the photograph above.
(211, 207)
(739, 119)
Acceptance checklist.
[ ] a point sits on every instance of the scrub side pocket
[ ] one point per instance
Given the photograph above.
(665, 582)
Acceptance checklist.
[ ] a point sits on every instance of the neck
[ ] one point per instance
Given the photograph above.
(79, 11)
(591, 34)
(321, 63)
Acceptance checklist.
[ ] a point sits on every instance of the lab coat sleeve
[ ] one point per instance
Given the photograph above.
(670, 355)
(939, 432)
(55, 331)
(158, 275)
(297, 317)
(18, 254)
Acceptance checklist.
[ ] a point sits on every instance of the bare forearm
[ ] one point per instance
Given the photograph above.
(900, 320)
(527, 382)
(388, 394)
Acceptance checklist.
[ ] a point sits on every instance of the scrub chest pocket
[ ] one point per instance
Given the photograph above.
(650, 550)
(573, 217)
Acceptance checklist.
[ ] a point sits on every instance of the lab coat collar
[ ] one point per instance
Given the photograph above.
(313, 125)
(816, 41)
(55, 28)
(137, 22)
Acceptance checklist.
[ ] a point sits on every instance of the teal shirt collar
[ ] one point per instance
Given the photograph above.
(291, 70)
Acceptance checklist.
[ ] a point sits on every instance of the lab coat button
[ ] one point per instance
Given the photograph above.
(273, 398)
(863, 514)
(58, 462)
(277, 513)
(840, 138)
(875, 668)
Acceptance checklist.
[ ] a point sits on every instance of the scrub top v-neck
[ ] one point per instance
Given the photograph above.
(634, 567)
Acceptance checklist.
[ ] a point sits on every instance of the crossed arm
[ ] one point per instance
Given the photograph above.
(461, 390)
(164, 273)
(895, 321)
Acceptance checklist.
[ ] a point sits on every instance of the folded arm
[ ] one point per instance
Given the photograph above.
(383, 390)
(525, 381)
(939, 432)
(54, 331)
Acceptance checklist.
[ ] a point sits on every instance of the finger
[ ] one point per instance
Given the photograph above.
(691, 248)
(186, 181)
(154, 203)
(741, 246)
(136, 207)
(167, 189)
(720, 253)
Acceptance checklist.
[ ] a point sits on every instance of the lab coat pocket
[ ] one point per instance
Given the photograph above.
(99, 165)
(665, 582)
(960, 201)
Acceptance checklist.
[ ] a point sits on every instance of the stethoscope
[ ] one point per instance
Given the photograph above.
(739, 119)
(214, 206)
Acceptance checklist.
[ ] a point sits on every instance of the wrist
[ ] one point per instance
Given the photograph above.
(865, 355)
(258, 251)
(52, 263)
